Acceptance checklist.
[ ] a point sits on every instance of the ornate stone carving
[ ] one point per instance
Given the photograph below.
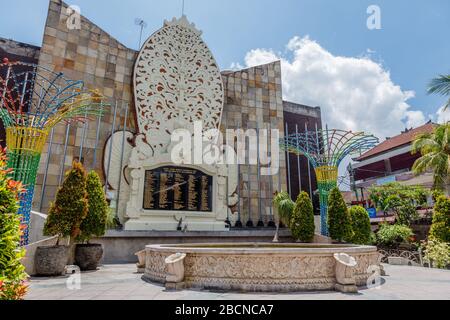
(345, 272)
(175, 267)
(177, 81)
(256, 271)
(141, 261)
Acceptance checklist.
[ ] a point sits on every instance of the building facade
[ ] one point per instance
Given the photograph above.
(391, 161)
(252, 99)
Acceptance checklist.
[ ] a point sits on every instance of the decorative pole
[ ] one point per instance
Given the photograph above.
(325, 150)
(33, 101)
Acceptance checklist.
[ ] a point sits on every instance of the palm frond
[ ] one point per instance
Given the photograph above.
(440, 85)
(447, 105)
(424, 144)
(422, 164)
(285, 210)
(284, 206)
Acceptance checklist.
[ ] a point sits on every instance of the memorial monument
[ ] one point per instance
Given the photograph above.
(176, 82)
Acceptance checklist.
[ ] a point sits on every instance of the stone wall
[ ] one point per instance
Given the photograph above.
(91, 55)
(254, 100)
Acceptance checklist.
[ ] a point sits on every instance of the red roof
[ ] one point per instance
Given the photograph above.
(402, 139)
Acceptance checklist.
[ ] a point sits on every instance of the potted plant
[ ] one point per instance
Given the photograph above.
(64, 219)
(88, 255)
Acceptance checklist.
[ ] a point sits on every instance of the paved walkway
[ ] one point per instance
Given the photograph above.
(120, 282)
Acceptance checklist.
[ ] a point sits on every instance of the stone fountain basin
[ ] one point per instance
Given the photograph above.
(259, 267)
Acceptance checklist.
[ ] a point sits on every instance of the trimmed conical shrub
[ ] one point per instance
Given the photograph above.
(12, 272)
(94, 224)
(70, 207)
(360, 222)
(440, 229)
(339, 227)
(302, 220)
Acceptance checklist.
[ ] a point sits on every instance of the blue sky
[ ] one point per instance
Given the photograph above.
(412, 46)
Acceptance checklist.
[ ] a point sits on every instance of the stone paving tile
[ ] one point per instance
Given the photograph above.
(119, 282)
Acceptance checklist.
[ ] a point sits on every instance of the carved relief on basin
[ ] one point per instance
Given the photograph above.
(260, 267)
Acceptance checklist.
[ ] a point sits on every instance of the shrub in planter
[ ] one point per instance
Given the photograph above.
(12, 273)
(360, 222)
(88, 255)
(302, 220)
(393, 235)
(339, 227)
(437, 253)
(64, 220)
(440, 229)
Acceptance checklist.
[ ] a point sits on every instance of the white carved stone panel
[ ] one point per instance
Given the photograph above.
(176, 82)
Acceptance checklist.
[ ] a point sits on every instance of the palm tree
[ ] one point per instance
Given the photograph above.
(284, 206)
(441, 85)
(435, 150)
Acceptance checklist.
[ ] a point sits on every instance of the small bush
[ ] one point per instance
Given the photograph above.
(302, 221)
(284, 206)
(70, 207)
(339, 227)
(440, 229)
(393, 235)
(360, 223)
(12, 272)
(111, 222)
(94, 224)
(437, 253)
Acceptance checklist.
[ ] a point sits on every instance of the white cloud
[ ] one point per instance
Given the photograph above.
(443, 116)
(236, 66)
(354, 93)
(415, 119)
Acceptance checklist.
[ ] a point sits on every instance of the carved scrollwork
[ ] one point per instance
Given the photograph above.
(177, 81)
(259, 271)
(412, 256)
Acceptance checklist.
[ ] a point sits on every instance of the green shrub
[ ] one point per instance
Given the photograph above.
(111, 222)
(436, 194)
(437, 253)
(373, 238)
(360, 223)
(284, 206)
(12, 272)
(440, 229)
(94, 224)
(70, 207)
(302, 221)
(339, 227)
(393, 235)
(400, 200)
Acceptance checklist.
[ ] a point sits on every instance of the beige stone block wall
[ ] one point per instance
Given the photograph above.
(254, 100)
(91, 55)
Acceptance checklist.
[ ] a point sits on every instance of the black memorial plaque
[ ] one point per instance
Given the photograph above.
(177, 189)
